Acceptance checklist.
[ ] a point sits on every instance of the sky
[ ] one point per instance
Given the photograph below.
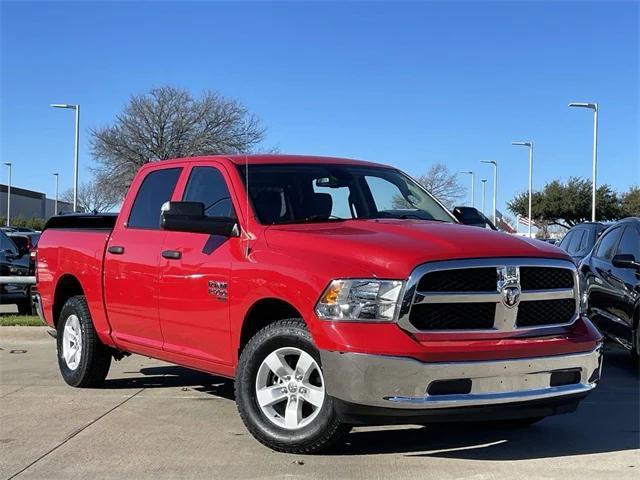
(406, 84)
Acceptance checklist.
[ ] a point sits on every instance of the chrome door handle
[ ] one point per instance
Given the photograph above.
(172, 254)
(116, 250)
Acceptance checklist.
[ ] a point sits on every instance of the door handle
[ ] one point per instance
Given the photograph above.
(116, 250)
(172, 254)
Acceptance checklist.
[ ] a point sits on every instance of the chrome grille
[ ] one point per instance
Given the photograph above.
(490, 295)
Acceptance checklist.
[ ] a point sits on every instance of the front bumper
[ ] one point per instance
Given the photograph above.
(403, 383)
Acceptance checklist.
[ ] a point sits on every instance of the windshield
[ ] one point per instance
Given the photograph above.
(321, 193)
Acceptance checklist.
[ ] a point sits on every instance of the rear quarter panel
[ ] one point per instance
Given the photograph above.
(78, 253)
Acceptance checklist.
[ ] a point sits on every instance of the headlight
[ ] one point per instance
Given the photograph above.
(365, 300)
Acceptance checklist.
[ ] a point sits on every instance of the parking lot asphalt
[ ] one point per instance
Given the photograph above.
(155, 420)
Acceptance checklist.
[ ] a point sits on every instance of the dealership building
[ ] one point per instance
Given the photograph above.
(29, 204)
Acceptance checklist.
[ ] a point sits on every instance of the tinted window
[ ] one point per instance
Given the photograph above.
(155, 190)
(207, 185)
(576, 240)
(630, 242)
(564, 244)
(608, 243)
(6, 244)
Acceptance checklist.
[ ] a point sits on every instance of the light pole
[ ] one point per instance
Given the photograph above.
(55, 201)
(495, 186)
(472, 186)
(594, 107)
(484, 184)
(8, 164)
(75, 156)
(530, 145)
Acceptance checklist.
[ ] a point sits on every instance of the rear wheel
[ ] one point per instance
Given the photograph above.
(83, 359)
(280, 391)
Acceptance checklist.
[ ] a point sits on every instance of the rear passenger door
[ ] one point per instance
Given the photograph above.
(195, 274)
(602, 285)
(132, 261)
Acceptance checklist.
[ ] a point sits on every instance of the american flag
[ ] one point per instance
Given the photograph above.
(525, 221)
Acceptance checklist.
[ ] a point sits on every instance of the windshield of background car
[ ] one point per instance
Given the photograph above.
(300, 193)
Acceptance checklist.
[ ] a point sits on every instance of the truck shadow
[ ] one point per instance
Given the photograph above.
(607, 421)
(175, 376)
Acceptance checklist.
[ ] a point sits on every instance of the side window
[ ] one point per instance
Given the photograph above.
(564, 244)
(207, 185)
(630, 242)
(156, 189)
(608, 243)
(574, 246)
(7, 244)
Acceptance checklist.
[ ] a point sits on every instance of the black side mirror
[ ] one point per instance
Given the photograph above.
(190, 217)
(472, 216)
(625, 260)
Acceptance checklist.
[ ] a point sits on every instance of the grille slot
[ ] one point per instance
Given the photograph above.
(460, 280)
(545, 312)
(453, 316)
(544, 278)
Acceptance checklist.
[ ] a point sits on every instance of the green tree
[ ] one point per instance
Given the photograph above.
(567, 204)
(631, 203)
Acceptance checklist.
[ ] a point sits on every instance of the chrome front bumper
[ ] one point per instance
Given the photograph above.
(397, 382)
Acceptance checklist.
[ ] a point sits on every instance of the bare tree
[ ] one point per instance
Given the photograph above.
(443, 184)
(93, 196)
(168, 122)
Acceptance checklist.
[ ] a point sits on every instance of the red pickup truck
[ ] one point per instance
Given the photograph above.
(335, 292)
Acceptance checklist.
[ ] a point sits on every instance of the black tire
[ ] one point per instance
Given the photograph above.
(322, 433)
(95, 357)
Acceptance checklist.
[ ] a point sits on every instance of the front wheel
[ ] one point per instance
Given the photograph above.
(83, 359)
(280, 391)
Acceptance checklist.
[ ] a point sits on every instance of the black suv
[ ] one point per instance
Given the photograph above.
(611, 273)
(14, 262)
(579, 241)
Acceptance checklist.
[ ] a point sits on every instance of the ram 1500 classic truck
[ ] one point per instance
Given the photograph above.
(335, 292)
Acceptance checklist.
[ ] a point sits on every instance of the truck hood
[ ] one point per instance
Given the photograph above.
(390, 248)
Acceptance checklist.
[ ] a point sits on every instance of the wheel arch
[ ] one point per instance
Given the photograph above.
(67, 286)
(263, 312)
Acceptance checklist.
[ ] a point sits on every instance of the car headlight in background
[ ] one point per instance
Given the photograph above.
(365, 300)
(584, 295)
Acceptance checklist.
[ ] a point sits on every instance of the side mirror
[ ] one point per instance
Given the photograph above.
(190, 217)
(625, 260)
(472, 216)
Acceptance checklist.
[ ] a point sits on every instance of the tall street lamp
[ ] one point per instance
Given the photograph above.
(472, 186)
(495, 186)
(75, 162)
(530, 145)
(8, 164)
(484, 184)
(55, 201)
(594, 107)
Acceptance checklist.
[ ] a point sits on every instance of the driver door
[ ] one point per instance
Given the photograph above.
(195, 271)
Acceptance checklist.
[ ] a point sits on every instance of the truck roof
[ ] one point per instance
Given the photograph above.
(265, 159)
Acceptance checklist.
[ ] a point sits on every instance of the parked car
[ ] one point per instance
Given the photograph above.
(335, 292)
(14, 262)
(27, 243)
(611, 273)
(579, 240)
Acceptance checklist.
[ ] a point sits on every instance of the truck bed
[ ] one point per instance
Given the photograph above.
(74, 246)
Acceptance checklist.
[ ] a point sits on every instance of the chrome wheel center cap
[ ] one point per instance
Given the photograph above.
(293, 387)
